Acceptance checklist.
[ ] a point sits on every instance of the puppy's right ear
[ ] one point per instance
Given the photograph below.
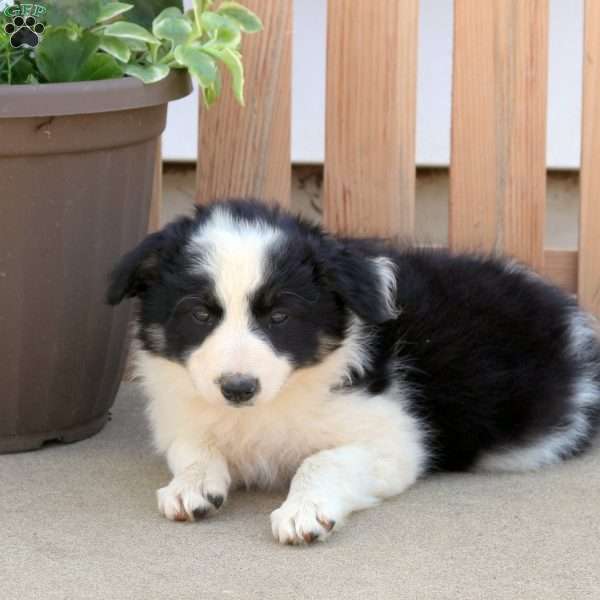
(136, 270)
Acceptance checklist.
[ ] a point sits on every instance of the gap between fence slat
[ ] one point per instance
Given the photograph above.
(560, 267)
(157, 191)
(369, 186)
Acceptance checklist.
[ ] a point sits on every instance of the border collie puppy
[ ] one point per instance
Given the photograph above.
(273, 352)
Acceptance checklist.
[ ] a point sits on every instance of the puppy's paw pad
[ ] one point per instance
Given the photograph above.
(302, 522)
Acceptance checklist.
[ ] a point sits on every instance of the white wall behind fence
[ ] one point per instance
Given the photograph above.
(434, 87)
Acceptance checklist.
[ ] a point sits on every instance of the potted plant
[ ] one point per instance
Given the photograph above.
(83, 96)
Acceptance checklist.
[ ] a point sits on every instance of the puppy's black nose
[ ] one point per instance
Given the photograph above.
(238, 388)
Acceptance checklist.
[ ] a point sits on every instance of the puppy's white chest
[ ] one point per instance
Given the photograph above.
(265, 448)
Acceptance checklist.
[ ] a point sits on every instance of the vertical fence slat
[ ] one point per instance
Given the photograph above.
(245, 151)
(498, 171)
(370, 116)
(472, 215)
(525, 205)
(589, 215)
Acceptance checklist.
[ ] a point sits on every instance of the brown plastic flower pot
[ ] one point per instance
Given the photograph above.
(76, 172)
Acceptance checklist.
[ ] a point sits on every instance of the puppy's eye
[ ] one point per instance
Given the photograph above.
(278, 317)
(201, 315)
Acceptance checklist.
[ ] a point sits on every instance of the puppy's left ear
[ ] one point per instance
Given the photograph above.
(366, 284)
(139, 269)
(136, 270)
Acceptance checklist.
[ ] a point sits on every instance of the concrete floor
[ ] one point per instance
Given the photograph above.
(431, 201)
(79, 522)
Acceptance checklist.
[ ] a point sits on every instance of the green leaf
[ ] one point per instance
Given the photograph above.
(21, 70)
(169, 12)
(146, 11)
(59, 58)
(246, 19)
(212, 21)
(202, 5)
(115, 47)
(174, 29)
(229, 36)
(100, 66)
(130, 31)
(82, 12)
(211, 93)
(198, 9)
(224, 30)
(199, 64)
(135, 45)
(232, 60)
(147, 73)
(112, 9)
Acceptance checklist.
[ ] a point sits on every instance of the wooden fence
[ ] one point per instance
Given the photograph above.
(497, 172)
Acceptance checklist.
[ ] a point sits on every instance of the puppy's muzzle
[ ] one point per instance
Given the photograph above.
(238, 388)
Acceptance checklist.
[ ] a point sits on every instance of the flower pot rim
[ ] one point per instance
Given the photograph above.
(86, 97)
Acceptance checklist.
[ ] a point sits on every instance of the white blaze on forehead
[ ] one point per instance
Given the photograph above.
(234, 253)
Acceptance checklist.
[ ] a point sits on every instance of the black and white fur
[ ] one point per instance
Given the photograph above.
(272, 352)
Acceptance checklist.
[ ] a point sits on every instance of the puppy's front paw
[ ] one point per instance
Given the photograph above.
(302, 520)
(193, 494)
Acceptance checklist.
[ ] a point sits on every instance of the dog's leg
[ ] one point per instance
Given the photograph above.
(331, 484)
(200, 482)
